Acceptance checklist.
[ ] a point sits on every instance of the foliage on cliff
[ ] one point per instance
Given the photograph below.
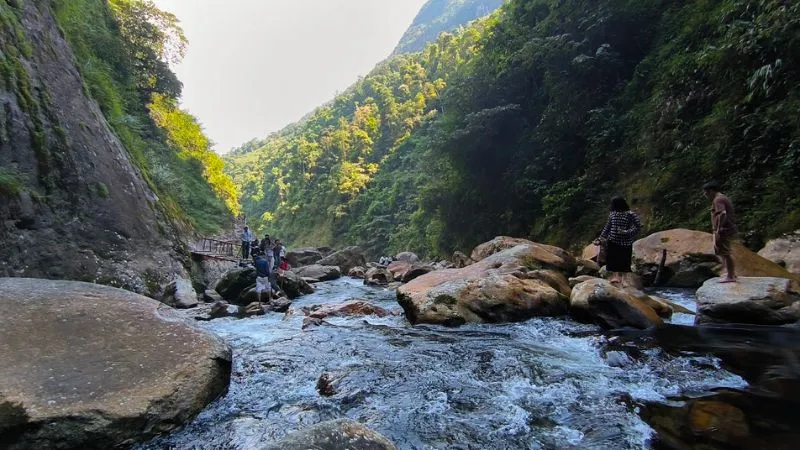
(123, 49)
(549, 109)
(437, 16)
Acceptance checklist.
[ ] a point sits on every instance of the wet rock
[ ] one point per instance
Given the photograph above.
(280, 304)
(588, 268)
(253, 309)
(234, 282)
(578, 280)
(333, 435)
(542, 256)
(378, 276)
(247, 296)
(504, 287)
(293, 285)
(460, 260)
(180, 294)
(319, 273)
(325, 385)
(345, 259)
(210, 296)
(222, 309)
(764, 301)
(303, 257)
(355, 308)
(662, 307)
(691, 260)
(407, 257)
(357, 272)
(89, 366)
(598, 301)
(310, 322)
(784, 251)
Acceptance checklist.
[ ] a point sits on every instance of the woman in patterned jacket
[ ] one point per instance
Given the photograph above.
(620, 231)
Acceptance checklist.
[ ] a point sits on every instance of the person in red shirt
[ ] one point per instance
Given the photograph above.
(723, 224)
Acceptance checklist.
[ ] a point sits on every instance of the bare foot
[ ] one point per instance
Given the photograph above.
(729, 280)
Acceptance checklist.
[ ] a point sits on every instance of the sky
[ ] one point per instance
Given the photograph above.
(254, 66)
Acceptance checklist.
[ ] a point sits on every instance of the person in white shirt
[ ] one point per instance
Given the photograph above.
(247, 237)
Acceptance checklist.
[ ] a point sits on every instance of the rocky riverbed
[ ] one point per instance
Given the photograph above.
(543, 383)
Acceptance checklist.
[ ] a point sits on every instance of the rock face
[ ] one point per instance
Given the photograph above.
(761, 301)
(598, 301)
(206, 272)
(784, 251)
(354, 308)
(303, 257)
(82, 211)
(691, 260)
(407, 257)
(233, 283)
(378, 276)
(180, 294)
(546, 256)
(104, 368)
(333, 435)
(346, 259)
(504, 287)
(319, 273)
(293, 285)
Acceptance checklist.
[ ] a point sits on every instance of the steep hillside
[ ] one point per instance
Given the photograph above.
(438, 16)
(549, 109)
(80, 195)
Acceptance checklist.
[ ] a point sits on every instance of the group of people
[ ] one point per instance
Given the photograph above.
(623, 226)
(269, 260)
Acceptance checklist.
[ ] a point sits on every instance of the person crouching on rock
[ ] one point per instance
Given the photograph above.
(723, 226)
(262, 277)
(621, 229)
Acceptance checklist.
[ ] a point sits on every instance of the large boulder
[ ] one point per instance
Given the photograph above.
(405, 272)
(353, 308)
(504, 287)
(180, 294)
(319, 273)
(293, 285)
(90, 366)
(333, 435)
(760, 301)
(545, 256)
(691, 261)
(407, 257)
(378, 276)
(357, 272)
(346, 259)
(398, 269)
(598, 301)
(784, 251)
(231, 285)
(303, 257)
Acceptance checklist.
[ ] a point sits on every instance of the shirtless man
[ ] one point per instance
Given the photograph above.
(724, 227)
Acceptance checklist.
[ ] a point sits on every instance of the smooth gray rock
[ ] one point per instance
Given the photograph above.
(342, 434)
(753, 300)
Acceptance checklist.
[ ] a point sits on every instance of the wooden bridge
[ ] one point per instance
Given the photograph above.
(217, 249)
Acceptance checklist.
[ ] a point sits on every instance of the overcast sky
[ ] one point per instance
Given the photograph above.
(255, 66)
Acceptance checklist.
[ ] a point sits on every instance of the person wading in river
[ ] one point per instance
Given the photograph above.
(723, 226)
(620, 231)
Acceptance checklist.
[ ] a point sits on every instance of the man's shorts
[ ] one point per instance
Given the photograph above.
(722, 245)
(262, 285)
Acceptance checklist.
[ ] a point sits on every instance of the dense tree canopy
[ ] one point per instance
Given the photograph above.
(528, 122)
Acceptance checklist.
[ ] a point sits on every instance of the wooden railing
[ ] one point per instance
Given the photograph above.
(217, 249)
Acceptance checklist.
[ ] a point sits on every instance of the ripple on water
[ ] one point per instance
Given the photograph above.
(540, 384)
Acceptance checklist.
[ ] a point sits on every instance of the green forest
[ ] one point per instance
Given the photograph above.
(527, 122)
(123, 49)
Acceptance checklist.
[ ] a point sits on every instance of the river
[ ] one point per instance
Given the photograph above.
(541, 384)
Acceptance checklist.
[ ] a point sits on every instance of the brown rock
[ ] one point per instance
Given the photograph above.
(354, 308)
(333, 435)
(345, 259)
(319, 273)
(378, 276)
(578, 280)
(587, 267)
(784, 251)
(357, 272)
(303, 257)
(253, 309)
(598, 301)
(725, 422)
(398, 269)
(461, 260)
(545, 256)
(502, 287)
(691, 260)
(91, 366)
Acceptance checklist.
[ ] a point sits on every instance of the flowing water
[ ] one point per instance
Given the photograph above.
(541, 384)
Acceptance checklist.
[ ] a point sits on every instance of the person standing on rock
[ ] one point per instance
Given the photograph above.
(247, 237)
(267, 247)
(621, 229)
(723, 226)
(262, 277)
